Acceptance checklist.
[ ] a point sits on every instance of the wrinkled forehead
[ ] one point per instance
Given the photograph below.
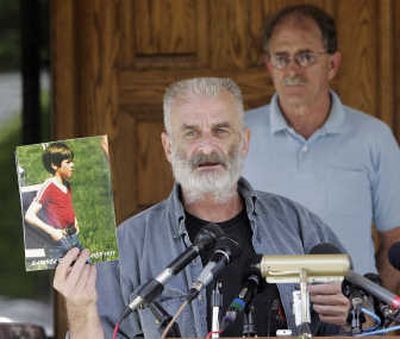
(193, 109)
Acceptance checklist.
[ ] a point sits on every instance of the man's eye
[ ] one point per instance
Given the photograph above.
(306, 58)
(221, 131)
(281, 59)
(190, 134)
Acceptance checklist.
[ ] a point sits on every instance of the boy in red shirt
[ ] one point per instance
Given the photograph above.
(54, 200)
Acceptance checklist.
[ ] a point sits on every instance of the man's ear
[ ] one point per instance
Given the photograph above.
(334, 64)
(246, 142)
(267, 62)
(166, 143)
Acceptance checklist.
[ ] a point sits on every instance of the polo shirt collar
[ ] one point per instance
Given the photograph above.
(334, 124)
(278, 122)
(337, 116)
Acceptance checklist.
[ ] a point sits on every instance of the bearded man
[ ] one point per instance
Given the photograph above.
(206, 142)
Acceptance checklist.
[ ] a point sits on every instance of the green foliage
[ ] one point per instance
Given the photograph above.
(9, 13)
(10, 32)
(9, 35)
(14, 281)
(91, 190)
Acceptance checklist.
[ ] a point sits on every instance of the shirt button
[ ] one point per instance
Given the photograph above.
(304, 149)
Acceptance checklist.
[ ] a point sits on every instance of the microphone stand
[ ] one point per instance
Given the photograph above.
(249, 323)
(356, 315)
(301, 308)
(357, 299)
(217, 303)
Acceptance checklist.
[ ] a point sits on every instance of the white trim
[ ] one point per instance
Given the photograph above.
(35, 253)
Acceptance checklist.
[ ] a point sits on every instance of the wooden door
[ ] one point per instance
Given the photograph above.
(112, 60)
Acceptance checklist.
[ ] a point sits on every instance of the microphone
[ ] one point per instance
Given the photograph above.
(361, 302)
(394, 255)
(303, 269)
(226, 250)
(325, 248)
(318, 267)
(377, 291)
(367, 285)
(146, 293)
(380, 308)
(252, 284)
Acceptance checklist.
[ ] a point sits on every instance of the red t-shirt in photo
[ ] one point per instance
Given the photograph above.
(56, 201)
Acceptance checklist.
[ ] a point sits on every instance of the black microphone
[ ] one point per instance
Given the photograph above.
(369, 286)
(252, 284)
(147, 292)
(226, 250)
(394, 255)
(325, 248)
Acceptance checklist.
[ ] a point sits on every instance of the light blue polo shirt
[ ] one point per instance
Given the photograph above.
(347, 172)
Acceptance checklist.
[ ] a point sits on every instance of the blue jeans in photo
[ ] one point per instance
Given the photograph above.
(63, 245)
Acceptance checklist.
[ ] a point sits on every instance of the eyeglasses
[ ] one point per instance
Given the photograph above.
(303, 59)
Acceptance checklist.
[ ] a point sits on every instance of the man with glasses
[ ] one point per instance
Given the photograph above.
(306, 145)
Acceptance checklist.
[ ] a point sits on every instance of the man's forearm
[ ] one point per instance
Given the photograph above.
(84, 324)
(389, 275)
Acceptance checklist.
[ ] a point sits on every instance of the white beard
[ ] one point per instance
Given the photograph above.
(219, 184)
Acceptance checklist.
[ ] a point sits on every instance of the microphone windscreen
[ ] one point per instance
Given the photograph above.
(253, 273)
(394, 255)
(229, 246)
(208, 235)
(374, 278)
(325, 248)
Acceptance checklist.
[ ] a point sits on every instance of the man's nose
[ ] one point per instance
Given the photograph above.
(207, 144)
(293, 67)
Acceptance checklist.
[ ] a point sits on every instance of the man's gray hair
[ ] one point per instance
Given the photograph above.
(206, 86)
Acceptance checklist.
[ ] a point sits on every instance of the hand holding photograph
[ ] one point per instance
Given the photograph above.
(66, 200)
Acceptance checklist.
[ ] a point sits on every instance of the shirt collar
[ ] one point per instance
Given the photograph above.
(334, 124)
(176, 212)
(278, 122)
(337, 116)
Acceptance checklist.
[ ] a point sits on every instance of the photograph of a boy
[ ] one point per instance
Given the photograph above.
(52, 211)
